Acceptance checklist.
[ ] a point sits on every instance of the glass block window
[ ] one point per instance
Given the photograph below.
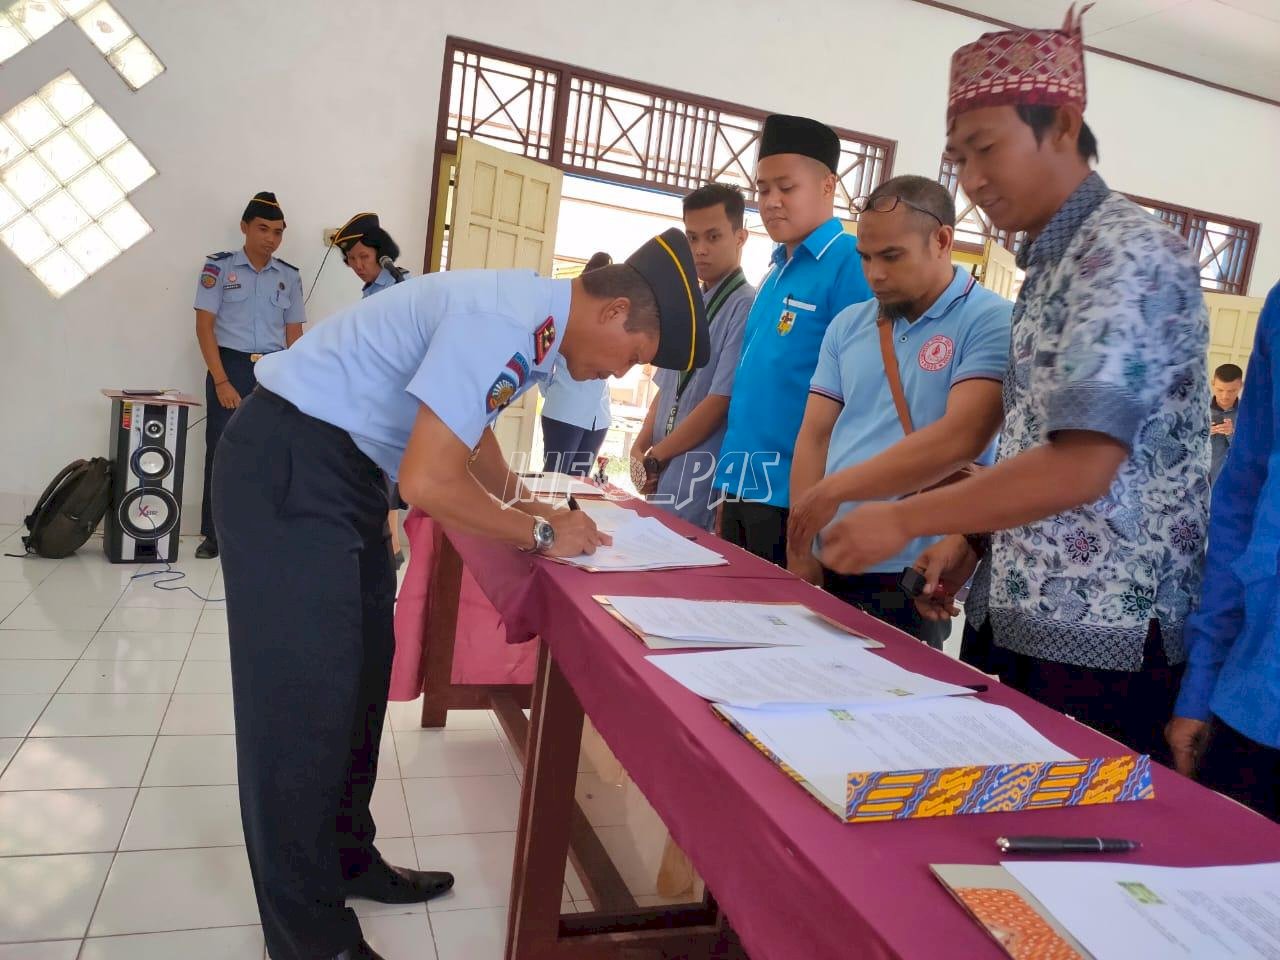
(22, 22)
(65, 172)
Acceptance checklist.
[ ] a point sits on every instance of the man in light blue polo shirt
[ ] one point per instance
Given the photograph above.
(950, 341)
(815, 274)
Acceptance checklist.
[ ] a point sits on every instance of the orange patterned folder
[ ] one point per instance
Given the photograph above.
(1013, 918)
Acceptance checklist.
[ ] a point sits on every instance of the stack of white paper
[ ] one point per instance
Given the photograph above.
(646, 543)
(667, 623)
(821, 676)
(1119, 911)
(824, 746)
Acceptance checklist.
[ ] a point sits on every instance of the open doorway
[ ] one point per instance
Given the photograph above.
(596, 215)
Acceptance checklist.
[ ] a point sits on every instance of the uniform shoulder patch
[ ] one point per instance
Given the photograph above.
(219, 256)
(519, 366)
(286, 263)
(501, 393)
(543, 339)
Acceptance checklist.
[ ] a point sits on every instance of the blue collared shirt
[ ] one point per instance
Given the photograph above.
(582, 403)
(464, 343)
(790, 315)
(1233, 638)
(964, 335)
(379, 283)
(686, 486)
(250, 307)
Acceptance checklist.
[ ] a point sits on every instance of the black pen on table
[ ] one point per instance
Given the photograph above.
(573, 504)
(1037, 844)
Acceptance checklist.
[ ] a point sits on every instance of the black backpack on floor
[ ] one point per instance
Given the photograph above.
(70, 509)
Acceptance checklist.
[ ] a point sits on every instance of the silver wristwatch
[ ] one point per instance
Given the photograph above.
(544, 535)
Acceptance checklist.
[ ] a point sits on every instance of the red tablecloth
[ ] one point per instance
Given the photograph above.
(795, 881)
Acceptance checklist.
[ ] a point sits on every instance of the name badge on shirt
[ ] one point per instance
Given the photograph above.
(231, 285)
(786, 322)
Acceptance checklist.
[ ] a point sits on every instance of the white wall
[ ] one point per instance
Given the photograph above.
(333, 106)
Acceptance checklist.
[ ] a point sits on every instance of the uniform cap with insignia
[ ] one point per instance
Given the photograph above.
(809, 138)
(365, 228)
(263, 205)
(666, 263)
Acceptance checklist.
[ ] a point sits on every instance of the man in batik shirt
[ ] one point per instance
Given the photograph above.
(1100, 497)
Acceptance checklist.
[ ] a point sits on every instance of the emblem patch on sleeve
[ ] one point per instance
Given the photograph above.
(500, 394)
(207, 280)
(544, 339)
(520, 367)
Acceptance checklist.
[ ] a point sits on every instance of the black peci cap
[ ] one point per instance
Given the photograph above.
(809, 138)
(263, 205)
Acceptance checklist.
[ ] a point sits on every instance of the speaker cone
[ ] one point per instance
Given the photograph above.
(152, 463)
(148, 513)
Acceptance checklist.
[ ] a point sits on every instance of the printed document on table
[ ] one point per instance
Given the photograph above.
(559, 485)
(827, 676)
(718, 623)
(646, 543)
(1122, 911)
(824, 746)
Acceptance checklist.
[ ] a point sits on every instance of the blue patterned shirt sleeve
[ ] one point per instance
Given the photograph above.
(1215, 626)
(1123, 313)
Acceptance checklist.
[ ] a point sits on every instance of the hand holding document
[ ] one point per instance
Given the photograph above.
(668, 623)
(821, 676)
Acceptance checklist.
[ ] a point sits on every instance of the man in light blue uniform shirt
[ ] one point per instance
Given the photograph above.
(950, 344)
(364, 243)
(402, 385)
(679, 444)
(248, 304)
(1228, 708)
(815, 274)
(575, 413)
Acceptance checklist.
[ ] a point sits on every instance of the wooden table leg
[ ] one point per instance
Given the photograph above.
(546, 807)
(440, 631)
(549, 820)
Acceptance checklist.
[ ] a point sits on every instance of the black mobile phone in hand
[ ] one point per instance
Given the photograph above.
(912, 582)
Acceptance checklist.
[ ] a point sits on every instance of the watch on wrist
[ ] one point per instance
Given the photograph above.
(652, 465)
(544, 535)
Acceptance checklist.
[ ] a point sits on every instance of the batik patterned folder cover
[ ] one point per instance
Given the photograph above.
(912, 794)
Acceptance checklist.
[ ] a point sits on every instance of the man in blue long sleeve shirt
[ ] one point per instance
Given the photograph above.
(1228, 710)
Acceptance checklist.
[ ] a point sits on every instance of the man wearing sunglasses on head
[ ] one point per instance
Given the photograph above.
(906, 391)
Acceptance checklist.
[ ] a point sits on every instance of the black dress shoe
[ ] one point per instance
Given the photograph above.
(361, 951)
(387, 884)
(208, 549)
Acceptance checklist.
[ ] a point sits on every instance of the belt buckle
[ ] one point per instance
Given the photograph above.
(255, 357)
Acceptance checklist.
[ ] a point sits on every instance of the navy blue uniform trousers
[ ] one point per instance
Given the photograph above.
(310, 586)
(239, 370)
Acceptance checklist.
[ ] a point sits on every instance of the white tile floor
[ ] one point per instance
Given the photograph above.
(119, 822)
(120, 832)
